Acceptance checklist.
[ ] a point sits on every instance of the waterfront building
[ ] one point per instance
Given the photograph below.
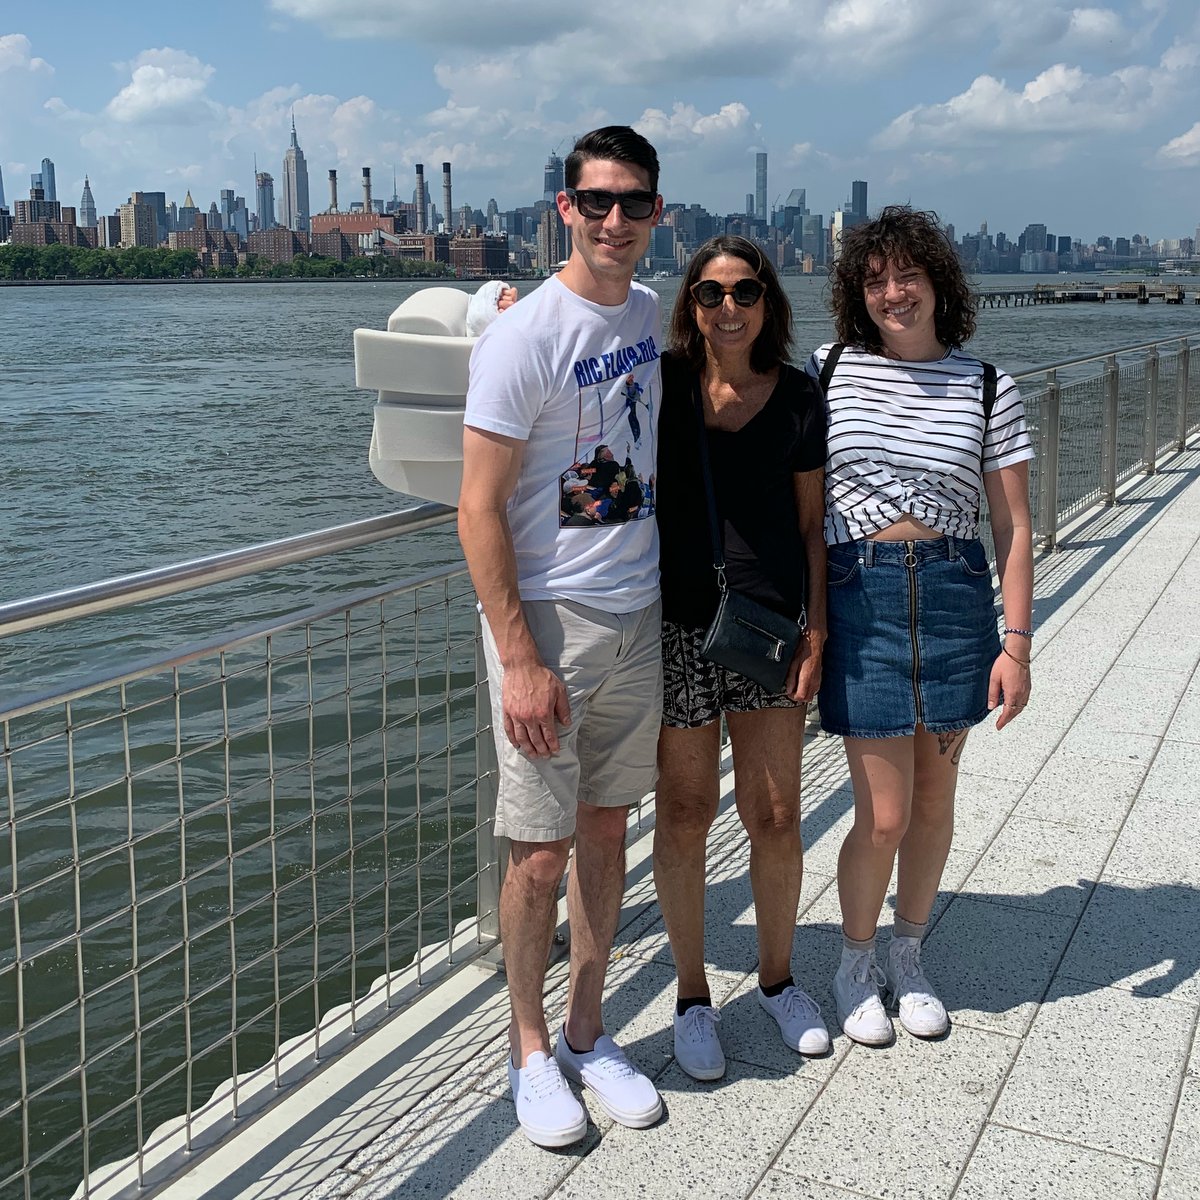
(36, 208)
(295, 186)
(5, 224)
(278, 244)
(478, 253)
(158, 202)
(137, 223)
(355, 224)
(331, 245)
(62, 232)
(108, 230)
(87, 206)
(552, 178)
(551, 241)
(760, 186)
(421, 247)
(264, 200)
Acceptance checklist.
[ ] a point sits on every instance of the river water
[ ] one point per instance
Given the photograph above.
(146, 425)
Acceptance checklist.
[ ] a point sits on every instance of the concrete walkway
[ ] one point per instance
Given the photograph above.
(1065, 944)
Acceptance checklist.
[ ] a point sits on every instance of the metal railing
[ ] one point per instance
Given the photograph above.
(209, 856)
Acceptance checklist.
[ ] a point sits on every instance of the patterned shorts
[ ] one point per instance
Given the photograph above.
(696, 692)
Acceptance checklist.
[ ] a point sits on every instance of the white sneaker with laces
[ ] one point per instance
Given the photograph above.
(547, 1110)
(697, 1045)
(919, 1009)
(856, 990)
(619, 1087)
(799, 1018)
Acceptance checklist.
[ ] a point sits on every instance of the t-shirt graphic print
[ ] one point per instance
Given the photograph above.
(611, 479)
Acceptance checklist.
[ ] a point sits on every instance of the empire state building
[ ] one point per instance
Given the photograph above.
(295, 186)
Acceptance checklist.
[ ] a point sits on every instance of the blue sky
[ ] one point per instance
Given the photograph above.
(1086, 119)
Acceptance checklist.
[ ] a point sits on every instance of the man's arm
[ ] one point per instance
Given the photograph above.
(533, 698)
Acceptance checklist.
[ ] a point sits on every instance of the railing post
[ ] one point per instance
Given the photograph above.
(1150, 449)
(1051, 427)
(487, 845)
(1181, 385)
(1108, 430)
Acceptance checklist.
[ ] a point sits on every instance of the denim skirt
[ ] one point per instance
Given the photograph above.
(912, 637)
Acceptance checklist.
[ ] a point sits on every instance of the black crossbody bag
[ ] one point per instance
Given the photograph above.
(745, 636)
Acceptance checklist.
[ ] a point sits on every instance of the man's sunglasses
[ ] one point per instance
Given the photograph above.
(746, 293)
(596, 204)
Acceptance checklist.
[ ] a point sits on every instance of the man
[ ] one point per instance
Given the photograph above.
(571, 623)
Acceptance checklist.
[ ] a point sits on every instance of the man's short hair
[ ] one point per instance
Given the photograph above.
(613, 143)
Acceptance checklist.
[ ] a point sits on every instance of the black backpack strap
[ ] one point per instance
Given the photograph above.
(831, 361)
(989, 392)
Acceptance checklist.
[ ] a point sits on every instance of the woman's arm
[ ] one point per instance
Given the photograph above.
(805, 676)
(1008, 499)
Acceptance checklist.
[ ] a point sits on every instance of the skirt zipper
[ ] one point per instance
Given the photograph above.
(910, 562)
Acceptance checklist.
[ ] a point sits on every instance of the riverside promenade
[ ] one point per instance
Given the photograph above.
(1066, 945)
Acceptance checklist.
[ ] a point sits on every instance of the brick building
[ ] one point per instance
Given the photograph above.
(479, 253)
(278, 245)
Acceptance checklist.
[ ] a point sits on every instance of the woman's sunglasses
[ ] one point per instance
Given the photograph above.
(596, 204)
(746, 293)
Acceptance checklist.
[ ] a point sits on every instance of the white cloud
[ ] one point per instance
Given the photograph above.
(165, 85)
(16, 54)
(1183, 151)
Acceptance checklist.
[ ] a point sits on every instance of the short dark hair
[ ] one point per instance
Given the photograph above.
(906, 237)
(774, 342)
(613, 143)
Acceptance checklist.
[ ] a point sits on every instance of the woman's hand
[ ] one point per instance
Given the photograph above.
(1009, 683)
(804, 675)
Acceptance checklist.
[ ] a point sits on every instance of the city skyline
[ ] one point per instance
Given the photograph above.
(1017, 111)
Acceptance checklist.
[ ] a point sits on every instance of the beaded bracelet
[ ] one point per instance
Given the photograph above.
(1025, 633)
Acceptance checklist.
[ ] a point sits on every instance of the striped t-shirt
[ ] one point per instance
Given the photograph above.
(907, 439)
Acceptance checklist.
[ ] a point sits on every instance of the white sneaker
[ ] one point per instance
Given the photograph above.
(799, 1018)
(697, 1046)
(920, 1011)
(547, 1110)
(856, 990)
(621, 1089)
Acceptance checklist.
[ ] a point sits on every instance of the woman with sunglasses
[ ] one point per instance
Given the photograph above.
(913, 658)
(764, 426)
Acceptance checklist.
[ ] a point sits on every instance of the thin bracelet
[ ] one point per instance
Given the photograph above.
(1015, 658)
(1025, 633)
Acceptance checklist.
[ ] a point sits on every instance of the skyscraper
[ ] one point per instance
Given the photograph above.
(760, 186)
(2, 204)
(295, 186)
(552, 178)
(48, 180)
(858, 198)
(87, 206)
(264, 199)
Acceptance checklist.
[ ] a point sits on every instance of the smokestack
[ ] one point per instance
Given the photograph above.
(367, 190)
(333, 191)
(446, 197)
(420, 197)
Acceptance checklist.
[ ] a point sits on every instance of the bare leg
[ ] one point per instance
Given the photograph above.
(685, 804)
(766, 756)
(925, 845)
(594, 893)
(881, 770)
(528, 901)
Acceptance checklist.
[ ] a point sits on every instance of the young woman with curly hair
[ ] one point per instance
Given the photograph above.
(913, 658)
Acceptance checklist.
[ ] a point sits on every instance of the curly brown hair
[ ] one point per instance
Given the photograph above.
(906, 237)
(774, 342)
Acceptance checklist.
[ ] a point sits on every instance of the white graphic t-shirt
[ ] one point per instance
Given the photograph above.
(578, 383)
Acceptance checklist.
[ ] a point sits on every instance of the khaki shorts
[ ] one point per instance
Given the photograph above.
(611, 664)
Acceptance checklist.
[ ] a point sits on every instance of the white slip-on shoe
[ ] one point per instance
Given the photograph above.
(799, 1018)
(547, 1110)
(619, 1087)
(859, 1008)
(697, 1045)
(917, 1005)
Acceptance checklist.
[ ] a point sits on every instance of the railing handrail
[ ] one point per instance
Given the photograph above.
(55, 608)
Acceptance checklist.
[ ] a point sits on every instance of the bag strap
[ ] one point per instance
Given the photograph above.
(989, 392)
(831, 361)
(714, 521)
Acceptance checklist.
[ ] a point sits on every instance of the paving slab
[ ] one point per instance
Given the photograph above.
(1087, 793)
(1102, 1069)
(1157, 845)
(1009, 1163)
(684, 1156)
(873, 1127)
(1136, 700)
(1181, 1172)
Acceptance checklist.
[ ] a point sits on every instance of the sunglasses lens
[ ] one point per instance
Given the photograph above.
(708, 294)
(637, 207)
(596, 205)
(746, 292)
